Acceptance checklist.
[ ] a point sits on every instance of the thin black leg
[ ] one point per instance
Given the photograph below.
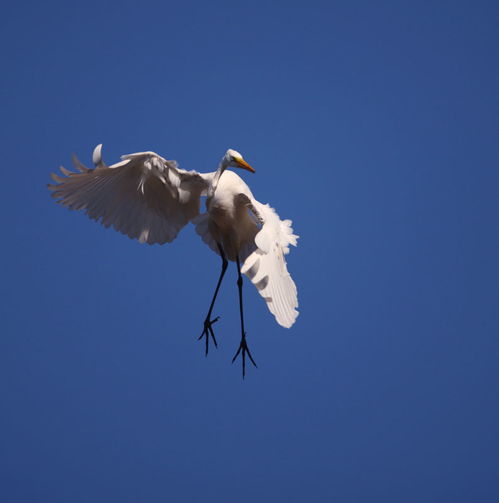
(208, 322)
(243, 346)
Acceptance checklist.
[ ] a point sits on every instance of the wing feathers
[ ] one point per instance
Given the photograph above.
(144, 196)
(266, 267)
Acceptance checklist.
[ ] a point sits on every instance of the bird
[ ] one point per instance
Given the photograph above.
(150, 198)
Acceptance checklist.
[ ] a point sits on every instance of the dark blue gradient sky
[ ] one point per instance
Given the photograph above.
(374, 127)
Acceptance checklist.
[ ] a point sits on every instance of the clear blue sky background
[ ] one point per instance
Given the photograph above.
(374, 127)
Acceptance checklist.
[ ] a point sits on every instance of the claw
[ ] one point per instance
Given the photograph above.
(244, 349)
(208, 332)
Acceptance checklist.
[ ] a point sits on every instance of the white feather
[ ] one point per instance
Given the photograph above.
(266, 267)
(144, 196)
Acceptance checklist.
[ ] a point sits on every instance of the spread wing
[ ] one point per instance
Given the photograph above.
(265, 265)
(144, 196)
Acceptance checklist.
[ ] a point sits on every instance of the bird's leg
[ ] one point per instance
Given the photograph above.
(243, 346)
(208, 322)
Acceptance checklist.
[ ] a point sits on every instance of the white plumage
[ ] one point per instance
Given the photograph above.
(151, 199)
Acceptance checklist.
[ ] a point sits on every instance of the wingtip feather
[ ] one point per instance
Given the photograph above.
(97, 157)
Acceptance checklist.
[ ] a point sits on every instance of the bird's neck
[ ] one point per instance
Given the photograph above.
(218, 173)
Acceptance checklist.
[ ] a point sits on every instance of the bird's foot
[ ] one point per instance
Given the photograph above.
(208, 332)
(244, 350)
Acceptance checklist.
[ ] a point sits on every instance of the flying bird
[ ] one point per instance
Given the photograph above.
(151, 199)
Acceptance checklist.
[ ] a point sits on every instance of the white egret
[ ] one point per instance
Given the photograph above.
(151, 199)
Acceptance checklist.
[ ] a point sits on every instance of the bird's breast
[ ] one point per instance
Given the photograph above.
(221, 211)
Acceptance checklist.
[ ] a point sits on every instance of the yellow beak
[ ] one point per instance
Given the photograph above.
(244, 165)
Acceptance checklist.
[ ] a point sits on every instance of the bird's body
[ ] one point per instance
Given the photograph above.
(229, 221)
(150, 199)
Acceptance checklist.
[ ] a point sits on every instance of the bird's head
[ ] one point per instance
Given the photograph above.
(235, 159)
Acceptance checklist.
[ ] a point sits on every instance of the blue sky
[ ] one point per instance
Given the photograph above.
(374, 127)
